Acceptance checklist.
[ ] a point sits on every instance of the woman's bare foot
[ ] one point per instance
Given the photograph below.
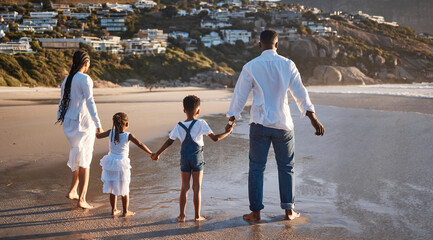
(84, 205)
(115, 212)
(252, 217)
(291, 214)
(202, 218)
(181, 219)
(128, 214)
(72, 196)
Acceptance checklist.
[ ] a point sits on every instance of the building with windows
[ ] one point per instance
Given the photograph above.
(90, 6)
(153, 34)
(43, 14)
(40, 21)
(231, 36)
(143, 46)
(77, 15)
(11, 16)
(34, 28)
(145, 4)
(60, 43)
(212, 39)
(120, 7)
(214, 24)
(22, 46)
(177, 34)
(113, 24)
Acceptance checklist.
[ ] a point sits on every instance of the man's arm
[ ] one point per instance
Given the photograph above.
(320, 130)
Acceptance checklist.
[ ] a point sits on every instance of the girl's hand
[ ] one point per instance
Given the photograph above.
(99, 130)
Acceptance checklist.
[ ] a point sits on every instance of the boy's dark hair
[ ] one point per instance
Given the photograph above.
(191, 102)
(268, 36)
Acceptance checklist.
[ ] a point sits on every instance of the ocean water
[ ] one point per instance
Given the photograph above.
(419, 90)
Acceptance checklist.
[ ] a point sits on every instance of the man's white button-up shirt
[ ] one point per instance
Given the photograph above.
(271, 77)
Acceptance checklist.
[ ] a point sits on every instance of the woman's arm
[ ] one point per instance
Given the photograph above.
(103, 134)
(139, 144)
(87, 89)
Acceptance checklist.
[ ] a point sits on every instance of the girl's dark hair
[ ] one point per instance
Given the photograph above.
(80, 58)
(119, 121)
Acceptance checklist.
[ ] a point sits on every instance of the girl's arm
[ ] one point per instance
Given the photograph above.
(103, 134)
(221, 136)
(139, 144)
(167, 144)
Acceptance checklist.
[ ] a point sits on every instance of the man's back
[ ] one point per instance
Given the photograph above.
(270, 76)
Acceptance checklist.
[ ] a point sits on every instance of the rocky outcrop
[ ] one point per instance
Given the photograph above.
(304, 48)
(331, 75)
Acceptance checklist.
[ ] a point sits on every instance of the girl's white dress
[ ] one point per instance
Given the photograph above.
(116, 167)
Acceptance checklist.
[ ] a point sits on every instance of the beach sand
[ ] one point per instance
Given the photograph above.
(368, 177)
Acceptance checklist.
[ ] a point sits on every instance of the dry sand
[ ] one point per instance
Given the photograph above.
(35, 177)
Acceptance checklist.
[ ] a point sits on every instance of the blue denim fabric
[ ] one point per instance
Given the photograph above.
(191, 154)
(283, 142)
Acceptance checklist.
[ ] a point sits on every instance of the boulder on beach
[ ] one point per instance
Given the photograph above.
(330, 75)
(304, 48)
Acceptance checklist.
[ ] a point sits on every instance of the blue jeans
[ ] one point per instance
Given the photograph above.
(283, 142)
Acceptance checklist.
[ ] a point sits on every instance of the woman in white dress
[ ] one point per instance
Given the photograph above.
(79, 117)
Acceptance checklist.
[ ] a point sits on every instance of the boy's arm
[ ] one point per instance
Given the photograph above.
(167, 144)
(221, 136)
(103, 134)
(139, 144)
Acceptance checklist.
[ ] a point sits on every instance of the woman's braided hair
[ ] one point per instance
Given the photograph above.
(80, 58)
(119, 121)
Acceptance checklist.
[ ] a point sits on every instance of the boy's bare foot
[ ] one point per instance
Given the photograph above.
(291, 214)
(201, 218)
(72, 196)
(181, 219)
(252, 217)
(84, 205)
(128, 214)
(115, 212)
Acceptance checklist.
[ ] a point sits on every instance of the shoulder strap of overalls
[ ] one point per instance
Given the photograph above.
(188, 130)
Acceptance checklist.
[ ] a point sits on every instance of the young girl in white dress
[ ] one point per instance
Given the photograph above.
(116, 168)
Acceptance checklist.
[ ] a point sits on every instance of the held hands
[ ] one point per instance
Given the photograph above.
(154, 156)
(99, 130)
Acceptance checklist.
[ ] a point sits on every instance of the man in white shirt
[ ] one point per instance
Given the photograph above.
(270, 77)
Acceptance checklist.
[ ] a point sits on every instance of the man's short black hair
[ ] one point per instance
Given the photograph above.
(268, 36)
(191, 103)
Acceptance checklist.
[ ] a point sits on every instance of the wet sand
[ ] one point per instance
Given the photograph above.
(350, 183)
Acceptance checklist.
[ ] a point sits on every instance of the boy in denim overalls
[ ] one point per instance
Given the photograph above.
(190, 132)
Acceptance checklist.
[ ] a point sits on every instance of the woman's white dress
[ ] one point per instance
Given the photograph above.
(116, 167)
(81, 121)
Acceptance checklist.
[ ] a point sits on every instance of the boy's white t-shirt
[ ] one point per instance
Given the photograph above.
(199, 129)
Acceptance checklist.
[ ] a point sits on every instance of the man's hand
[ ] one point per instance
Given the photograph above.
(320, 130)
(229, 127)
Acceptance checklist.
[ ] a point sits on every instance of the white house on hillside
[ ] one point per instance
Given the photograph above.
(212, 39)
(145, 4)
(231, 36)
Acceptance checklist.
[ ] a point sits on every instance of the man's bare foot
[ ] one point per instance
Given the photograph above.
(291, 214)
(201, 218)
(181, 219)
(128, 214)
(115, 212)
(84, 205)
(72, 196)
(252, 217)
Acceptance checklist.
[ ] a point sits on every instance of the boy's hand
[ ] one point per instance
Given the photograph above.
(154, 156)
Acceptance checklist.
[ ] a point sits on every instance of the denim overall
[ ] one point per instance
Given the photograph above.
(191, 154)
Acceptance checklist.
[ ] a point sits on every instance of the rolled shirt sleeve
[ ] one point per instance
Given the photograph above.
(299, 92)
(87, 89)
(240, 95)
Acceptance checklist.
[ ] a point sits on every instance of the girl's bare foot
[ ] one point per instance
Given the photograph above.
(72, 196)
(181, 219)
(252, 217)
(291, 214)
(202, 218)
(84, 205)
(128, 214)
(115, 212)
